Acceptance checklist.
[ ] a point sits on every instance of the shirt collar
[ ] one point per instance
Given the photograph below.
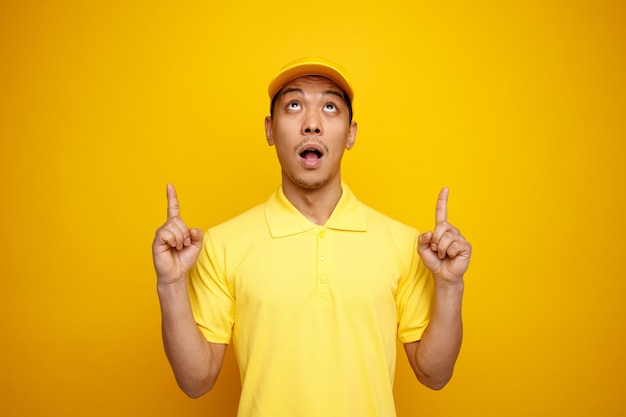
(283, 219)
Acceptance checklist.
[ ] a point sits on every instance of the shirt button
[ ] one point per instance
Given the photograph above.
(321, 234)
(323, 279)
(322, 257)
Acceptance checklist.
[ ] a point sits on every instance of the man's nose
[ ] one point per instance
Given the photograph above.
(312, 124)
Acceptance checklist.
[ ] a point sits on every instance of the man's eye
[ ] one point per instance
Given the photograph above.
(330, 107)
(293, 106)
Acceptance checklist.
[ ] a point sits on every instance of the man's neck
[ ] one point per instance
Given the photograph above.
(317, 205)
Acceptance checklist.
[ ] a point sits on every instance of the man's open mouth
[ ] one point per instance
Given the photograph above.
(310, 154)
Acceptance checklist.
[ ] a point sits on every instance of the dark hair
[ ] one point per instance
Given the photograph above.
(345, 98)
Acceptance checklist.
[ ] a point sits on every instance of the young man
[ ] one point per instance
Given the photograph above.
(313, 287)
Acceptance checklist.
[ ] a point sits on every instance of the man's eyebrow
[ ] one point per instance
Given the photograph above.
(291, 90)
(299, 90)
(335, 92)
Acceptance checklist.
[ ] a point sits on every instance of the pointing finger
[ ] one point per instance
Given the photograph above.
(441, 212)
(173, 208)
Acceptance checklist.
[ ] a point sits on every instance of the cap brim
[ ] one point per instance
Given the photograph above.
(300, 69)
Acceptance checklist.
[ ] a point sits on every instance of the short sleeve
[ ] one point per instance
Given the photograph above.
(414, 299)
(212, 300)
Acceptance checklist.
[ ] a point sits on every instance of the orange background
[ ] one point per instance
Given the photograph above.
(518, 107)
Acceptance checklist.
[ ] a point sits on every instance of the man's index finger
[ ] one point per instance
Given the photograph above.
(441, 213)
(173, 208)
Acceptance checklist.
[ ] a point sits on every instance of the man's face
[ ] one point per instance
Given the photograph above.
(310, 129)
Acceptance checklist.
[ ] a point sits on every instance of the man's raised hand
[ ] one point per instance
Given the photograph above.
(175, 248)
(444, 251)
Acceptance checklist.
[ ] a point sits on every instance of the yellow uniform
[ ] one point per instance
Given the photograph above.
(313, 311)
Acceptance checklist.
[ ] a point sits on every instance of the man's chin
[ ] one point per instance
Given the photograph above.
(310, 183)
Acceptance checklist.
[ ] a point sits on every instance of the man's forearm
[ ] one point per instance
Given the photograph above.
(434, 356)
(195, 362)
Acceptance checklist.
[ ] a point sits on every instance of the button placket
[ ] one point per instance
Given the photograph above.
(323, 292)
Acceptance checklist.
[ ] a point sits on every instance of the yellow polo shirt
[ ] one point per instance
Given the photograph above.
(313, 311)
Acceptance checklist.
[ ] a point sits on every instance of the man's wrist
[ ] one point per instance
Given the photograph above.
(170, 288)
(451, 287)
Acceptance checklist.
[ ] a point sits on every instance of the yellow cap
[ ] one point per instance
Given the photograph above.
(311, 65)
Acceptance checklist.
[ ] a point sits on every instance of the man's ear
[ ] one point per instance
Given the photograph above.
(351, 135)
(269, 134)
